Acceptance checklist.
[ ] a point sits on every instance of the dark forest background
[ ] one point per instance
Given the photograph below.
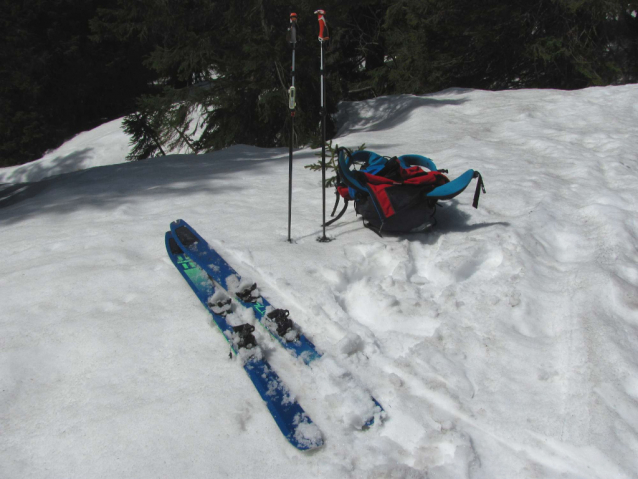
(70, 65)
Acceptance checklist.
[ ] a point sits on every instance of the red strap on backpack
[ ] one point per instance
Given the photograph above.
(344, 192)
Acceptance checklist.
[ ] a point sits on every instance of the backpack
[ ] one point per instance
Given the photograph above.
(396, 194)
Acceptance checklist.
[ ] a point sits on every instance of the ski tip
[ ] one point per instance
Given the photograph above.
(306, 436)
(379, 414)
(306, 448)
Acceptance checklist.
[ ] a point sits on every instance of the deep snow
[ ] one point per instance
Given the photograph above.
(502, 344)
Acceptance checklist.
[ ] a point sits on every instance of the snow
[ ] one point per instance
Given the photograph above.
(502, 344)
(104, 145)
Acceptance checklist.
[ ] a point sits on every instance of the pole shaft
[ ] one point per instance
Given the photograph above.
(323, 145)
(323, 37)
(292, 106)
(292, 134)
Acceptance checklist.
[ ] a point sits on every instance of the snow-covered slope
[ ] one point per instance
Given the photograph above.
(104, 145)
(502, 344)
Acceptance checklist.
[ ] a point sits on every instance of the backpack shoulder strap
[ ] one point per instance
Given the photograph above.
(347, 160)
(457, 186)
(417, 160)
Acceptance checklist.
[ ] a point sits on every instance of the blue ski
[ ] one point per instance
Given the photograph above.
(275, 321)
(292, 420)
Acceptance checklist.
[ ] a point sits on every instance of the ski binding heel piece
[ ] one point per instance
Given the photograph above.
(246, 338)
(250, 294)
(283, 322)
(222, 307)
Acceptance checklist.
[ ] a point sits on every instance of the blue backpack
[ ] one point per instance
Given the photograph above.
(396, 194)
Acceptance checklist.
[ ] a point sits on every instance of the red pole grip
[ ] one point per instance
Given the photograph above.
(323, 26)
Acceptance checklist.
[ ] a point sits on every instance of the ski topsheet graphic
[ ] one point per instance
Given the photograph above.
(275, 321)
(292, 420)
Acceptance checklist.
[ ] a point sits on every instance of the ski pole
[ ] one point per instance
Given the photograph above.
(292, 104)
(323, 37)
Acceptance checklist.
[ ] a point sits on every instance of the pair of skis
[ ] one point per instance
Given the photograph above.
(221, 290)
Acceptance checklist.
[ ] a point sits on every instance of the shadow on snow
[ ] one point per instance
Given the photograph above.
(449, 219)
(387, 112)
(35, 170)
(108, 187)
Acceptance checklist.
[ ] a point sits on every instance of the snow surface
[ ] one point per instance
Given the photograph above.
(503, 344)
(104, 145)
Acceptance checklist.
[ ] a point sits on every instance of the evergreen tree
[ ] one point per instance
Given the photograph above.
(358, 49)
(146, 142)
(230, 62)
(435, 44)
(56, 81)
(66, 65)
(623, 31)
